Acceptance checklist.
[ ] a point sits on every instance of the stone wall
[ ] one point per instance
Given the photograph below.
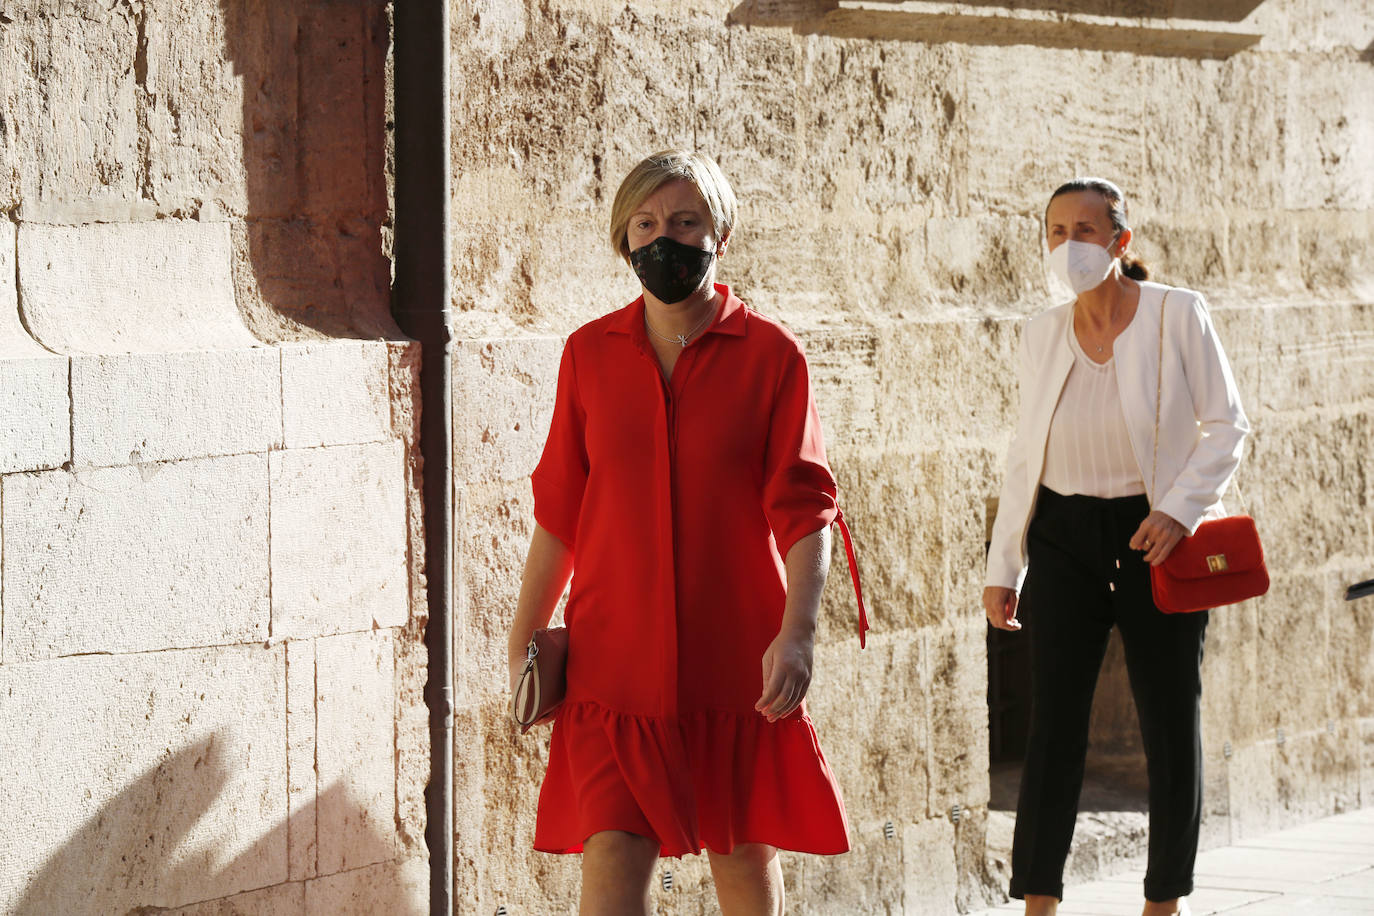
(210, 600)
(893, 160)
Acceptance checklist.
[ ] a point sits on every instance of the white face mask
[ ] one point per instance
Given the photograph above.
(1082, 265)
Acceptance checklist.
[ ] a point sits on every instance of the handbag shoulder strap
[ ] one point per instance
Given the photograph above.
(1159, 391)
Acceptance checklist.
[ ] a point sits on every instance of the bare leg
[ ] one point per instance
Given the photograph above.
(617, 868)
(749, 881)
(1041, 905)
(1176, 907)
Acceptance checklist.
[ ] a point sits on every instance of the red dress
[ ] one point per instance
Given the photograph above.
(679, 500)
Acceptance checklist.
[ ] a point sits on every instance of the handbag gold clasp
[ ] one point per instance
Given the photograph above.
(1217, 563)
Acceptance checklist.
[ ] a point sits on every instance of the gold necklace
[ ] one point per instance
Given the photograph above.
(680, 338)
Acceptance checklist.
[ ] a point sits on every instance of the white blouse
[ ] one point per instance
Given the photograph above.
(1088, 450)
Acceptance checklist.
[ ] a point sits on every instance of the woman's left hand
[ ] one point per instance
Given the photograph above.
(1158, 535)
(786, 674)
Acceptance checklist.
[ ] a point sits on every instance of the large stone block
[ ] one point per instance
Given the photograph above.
(280, 900)
(1324, 459)
(957, 672)
(931, 879)
(198, 102)
(35, 412)
(135, 559)
(1329, 129)
(1252, 780)
(398, 888)
(1295, 652)
(68, 90)
(1234, 710)
(335, 393)
(355, 708)
(882, 763)
(494, 525)
(146, 780)
(35, 418)
(868, 878)
(503, 397)
(302, 778)
(139, 407)
(497, 775)
(338, 540)
(130, 287)
(1312, 355)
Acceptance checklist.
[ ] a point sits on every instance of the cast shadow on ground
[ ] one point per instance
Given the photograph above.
(314, 157)
(130, 856)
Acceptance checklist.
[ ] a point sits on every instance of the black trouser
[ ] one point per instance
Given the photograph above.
(1083, 579)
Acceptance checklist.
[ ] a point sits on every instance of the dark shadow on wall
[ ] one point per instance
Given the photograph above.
(1205, 10)
(1071, 28)
(311, 258)
(117, 861)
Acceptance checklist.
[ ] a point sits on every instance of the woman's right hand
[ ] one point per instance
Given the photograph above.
(1000, 605)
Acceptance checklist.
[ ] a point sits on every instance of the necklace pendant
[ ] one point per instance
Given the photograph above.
(682, 340)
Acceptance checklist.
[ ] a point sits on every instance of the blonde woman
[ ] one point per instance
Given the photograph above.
(684, 487)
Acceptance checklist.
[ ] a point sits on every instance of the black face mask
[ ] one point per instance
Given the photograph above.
(669, 269)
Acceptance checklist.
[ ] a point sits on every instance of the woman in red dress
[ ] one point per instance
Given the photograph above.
(684, 488)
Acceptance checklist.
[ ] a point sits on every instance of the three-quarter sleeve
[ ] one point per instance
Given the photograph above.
(561, 476)
(798, 489)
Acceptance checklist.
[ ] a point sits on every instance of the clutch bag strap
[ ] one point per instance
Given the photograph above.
(854, 576)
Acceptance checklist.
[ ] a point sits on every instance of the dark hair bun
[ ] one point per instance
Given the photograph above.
(1133, 267)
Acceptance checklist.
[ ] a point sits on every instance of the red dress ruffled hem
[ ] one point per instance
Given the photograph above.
(711, 779)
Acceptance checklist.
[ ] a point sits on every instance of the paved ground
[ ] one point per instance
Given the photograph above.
(1324, 869)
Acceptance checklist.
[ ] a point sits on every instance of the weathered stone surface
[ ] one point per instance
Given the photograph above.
(503, 395)
(355, 750)
(1325, 459)
(140, 407)
(14, 340)
(958, 716)
(931, 881)
(496, 774)
(135, 559)
(400, 888)
(302, 778)
(35, 418)
(494, 522)
(144, 287)
(1316, 356)
(1252, 779)
(78, 72)
(1366, 751)
(35, 412)
(280, 900)
(338, 540)
(1294, 680)
(883, 764)
(181, 802)
(335, 393)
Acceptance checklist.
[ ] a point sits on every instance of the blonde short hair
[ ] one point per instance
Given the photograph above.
(659, 169)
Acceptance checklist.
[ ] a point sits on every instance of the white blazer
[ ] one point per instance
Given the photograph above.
(1201, 423)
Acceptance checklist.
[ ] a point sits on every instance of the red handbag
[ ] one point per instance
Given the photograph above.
(1220, 563)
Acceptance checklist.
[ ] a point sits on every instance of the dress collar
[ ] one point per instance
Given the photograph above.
(732, 318)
